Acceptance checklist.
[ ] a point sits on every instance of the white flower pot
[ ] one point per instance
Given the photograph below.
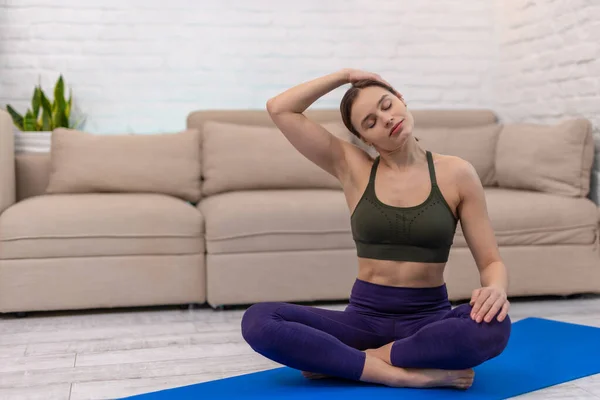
(32, 142)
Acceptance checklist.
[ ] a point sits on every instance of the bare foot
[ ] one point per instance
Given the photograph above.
(377, 370)
(460, 379)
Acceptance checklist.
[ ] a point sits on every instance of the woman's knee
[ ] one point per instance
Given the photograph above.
(495, 334)
(500, 336)
(492, 339)
(478, 342)
(257, 320)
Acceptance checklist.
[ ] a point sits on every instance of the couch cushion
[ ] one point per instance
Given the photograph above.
(276, 220)
(522, 217)
(549, 158)
(244, 157)
(476, 144)
(32, 172)
(82, 225)
(166, 163)
(453, 118)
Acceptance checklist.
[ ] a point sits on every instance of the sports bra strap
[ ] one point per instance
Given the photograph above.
(373, 171)
(431, 168)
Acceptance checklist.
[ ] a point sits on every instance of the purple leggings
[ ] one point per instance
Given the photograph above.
(426, 331)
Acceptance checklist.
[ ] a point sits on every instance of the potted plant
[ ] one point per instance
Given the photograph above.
(35, 127)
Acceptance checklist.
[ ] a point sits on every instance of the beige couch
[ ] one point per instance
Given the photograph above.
(228, 212)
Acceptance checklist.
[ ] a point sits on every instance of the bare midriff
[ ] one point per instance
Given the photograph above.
(401, 273)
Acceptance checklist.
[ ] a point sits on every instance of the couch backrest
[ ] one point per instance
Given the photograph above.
(243, 150)
(423, 118)
(221, 167)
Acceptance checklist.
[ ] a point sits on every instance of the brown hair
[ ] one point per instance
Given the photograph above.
(350, 97)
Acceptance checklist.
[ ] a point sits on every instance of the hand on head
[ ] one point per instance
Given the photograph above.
(356, 75)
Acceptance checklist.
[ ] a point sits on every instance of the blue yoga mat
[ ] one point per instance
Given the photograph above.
(540, 353)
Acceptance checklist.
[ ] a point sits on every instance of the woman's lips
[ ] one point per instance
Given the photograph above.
(397, 128)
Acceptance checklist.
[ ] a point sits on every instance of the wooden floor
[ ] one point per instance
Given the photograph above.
(118, 353)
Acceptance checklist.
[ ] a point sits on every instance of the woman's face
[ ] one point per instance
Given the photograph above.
(381, 118)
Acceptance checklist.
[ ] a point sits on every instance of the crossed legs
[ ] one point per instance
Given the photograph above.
(346, 345)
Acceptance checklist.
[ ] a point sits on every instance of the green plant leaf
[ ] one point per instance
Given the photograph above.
(59, 116)
(69, 108)
(53, 114)
(36, 101)
(46, 114)
(16, 117)
(69, 105)
(46, 121)
(59, 93)
(46, 106)
(29, 122)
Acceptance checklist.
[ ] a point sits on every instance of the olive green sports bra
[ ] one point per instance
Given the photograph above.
(422, 233)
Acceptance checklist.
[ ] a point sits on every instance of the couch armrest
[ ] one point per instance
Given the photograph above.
(7, 162)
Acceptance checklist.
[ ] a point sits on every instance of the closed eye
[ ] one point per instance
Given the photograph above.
(385, 106)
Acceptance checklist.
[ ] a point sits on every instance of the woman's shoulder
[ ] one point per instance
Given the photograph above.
(455, 171)
(454, 163)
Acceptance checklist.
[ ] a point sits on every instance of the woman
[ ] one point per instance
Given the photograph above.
(399, 328)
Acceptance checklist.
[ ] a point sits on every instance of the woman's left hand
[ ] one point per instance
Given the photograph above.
(487, 302)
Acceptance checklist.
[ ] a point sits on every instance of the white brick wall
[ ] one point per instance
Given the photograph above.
(549, 63)
(143, 65)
